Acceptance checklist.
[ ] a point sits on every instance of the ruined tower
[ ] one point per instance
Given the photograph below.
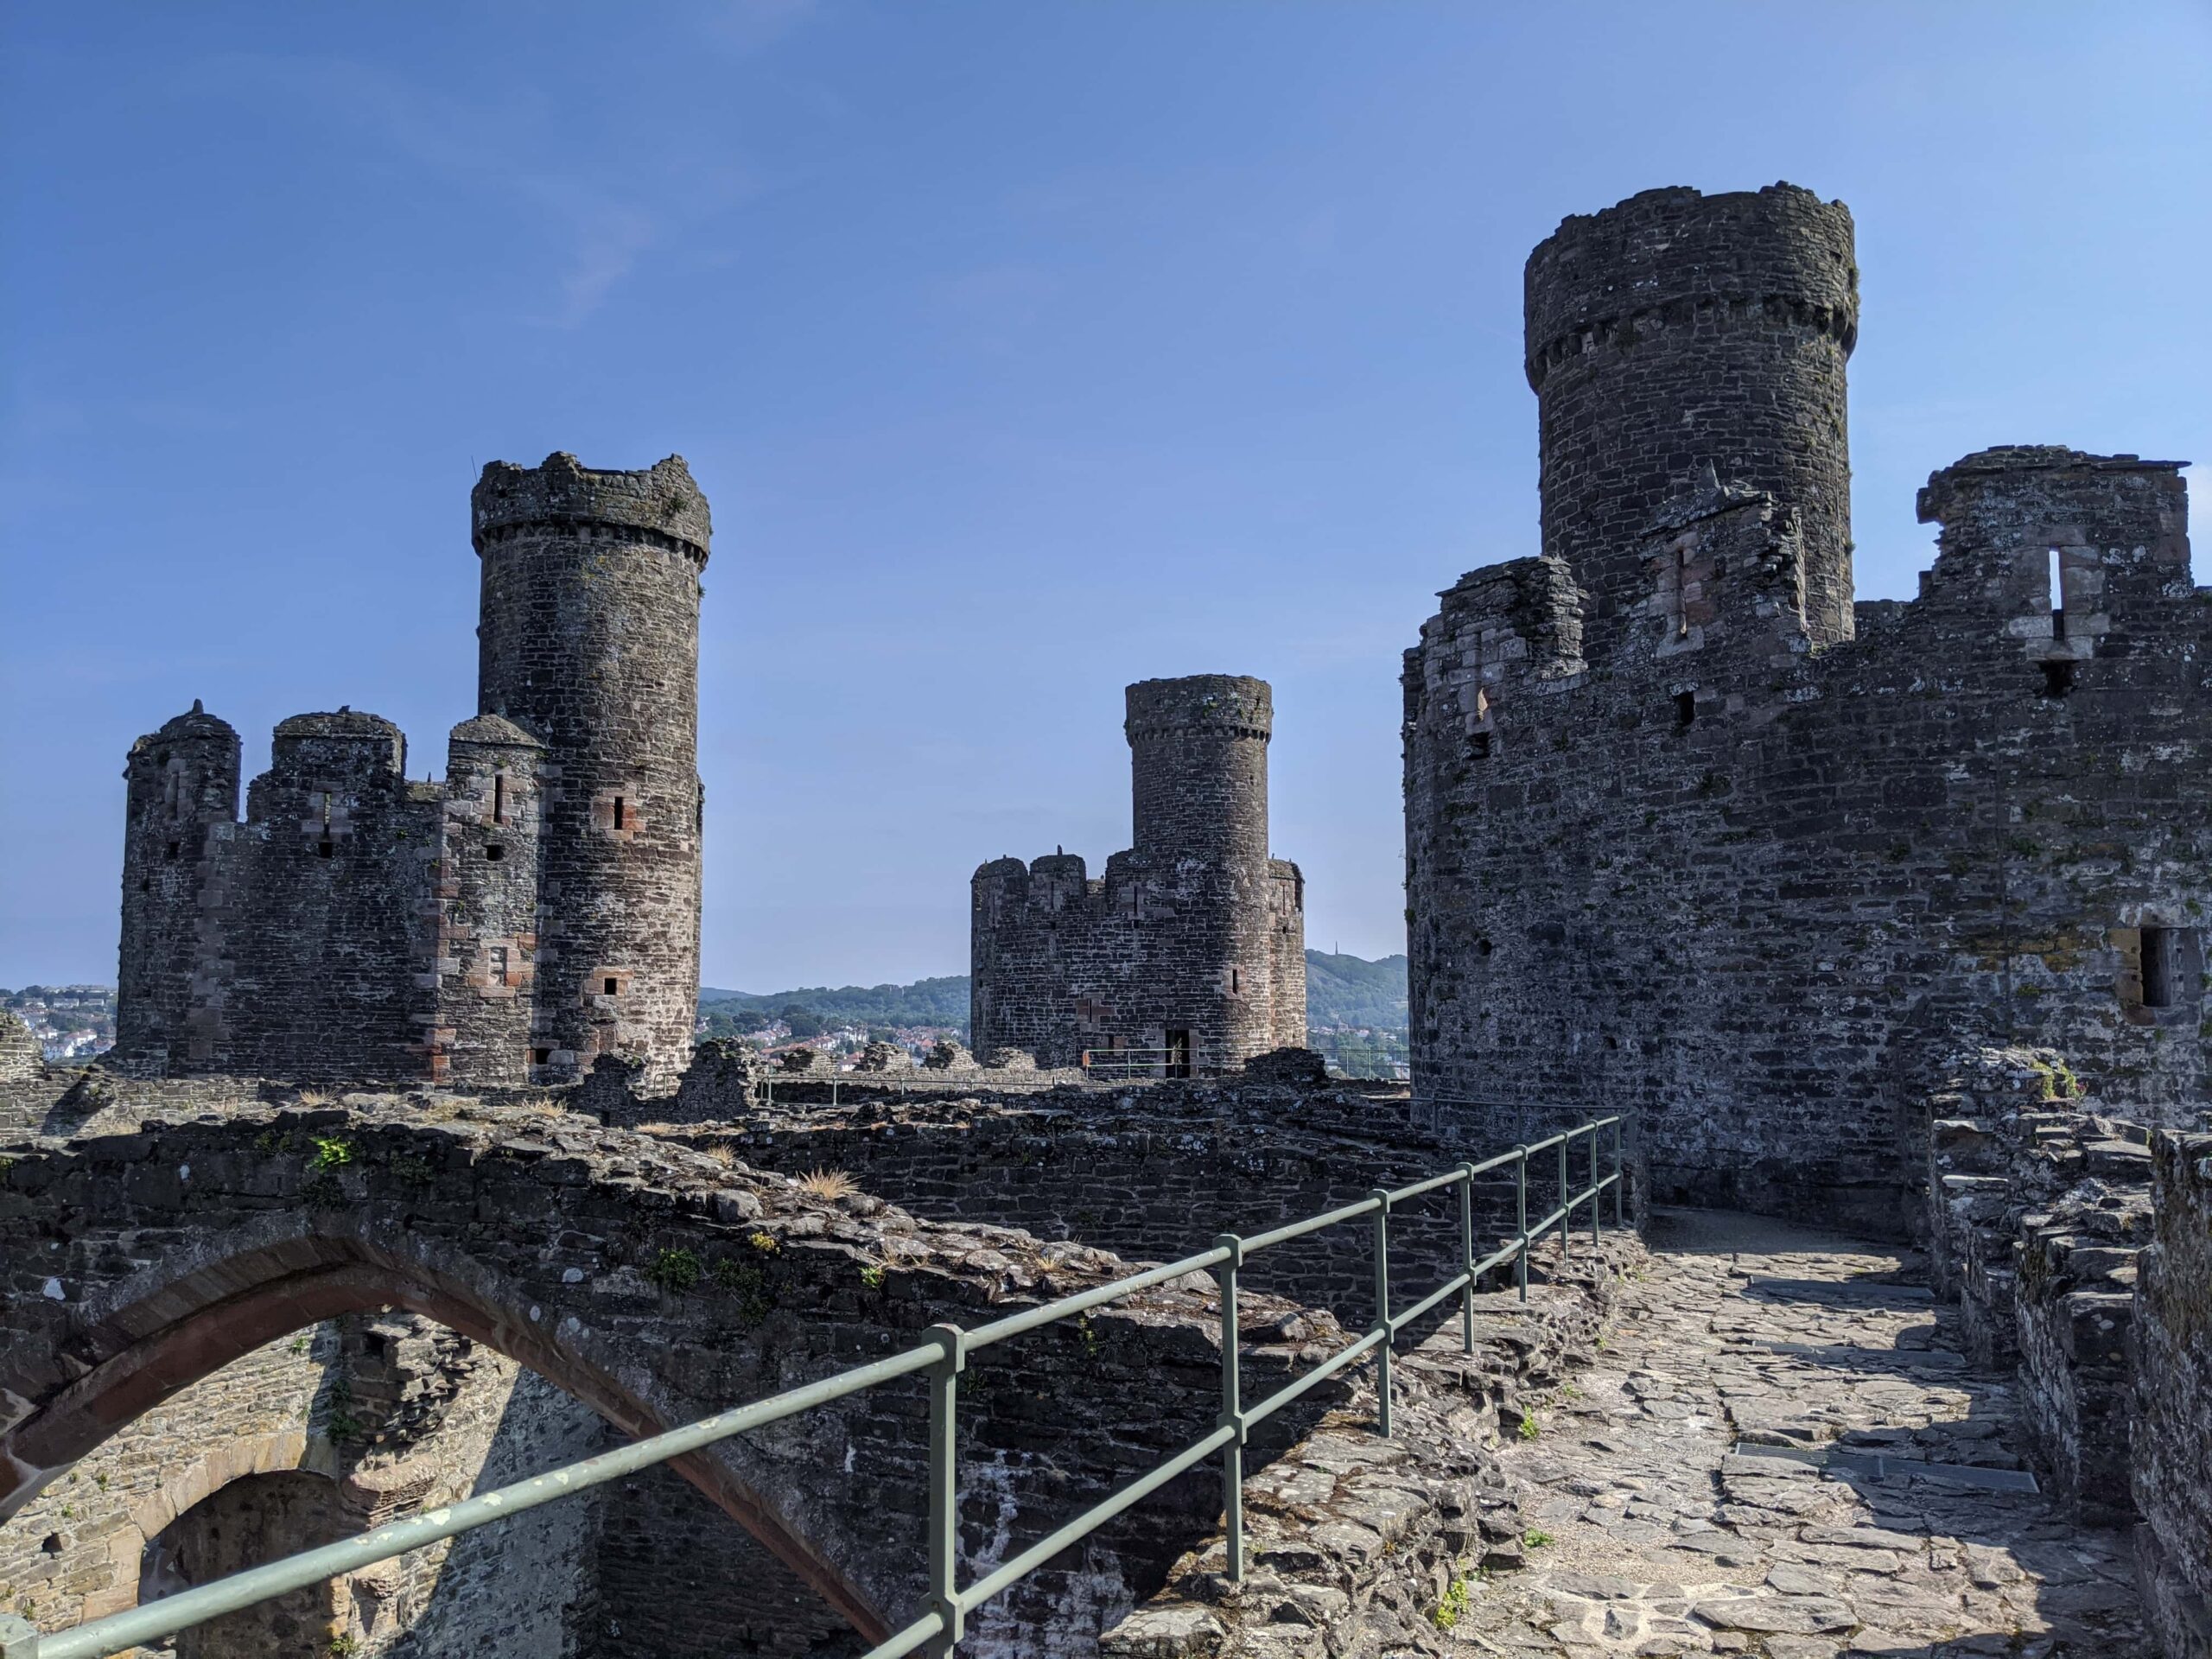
(1679, 333)
(535, 909)
(1192, 947)
(590, 638)
(1689, 833)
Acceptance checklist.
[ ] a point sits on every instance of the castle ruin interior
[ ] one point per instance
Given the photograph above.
(405, 1179)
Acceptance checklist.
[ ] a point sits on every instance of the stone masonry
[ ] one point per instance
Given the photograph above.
(1193, 945)
(536, 909)
(1688, 832)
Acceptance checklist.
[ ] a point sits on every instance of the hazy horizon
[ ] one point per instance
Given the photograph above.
(1022, 352)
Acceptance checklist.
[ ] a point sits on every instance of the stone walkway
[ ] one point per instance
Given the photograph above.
(1652, 1534)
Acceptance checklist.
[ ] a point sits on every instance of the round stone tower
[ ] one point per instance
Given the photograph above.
(1678, 331)
(590, 638)
(1198, 764)
(182, 784)
(1198, 785)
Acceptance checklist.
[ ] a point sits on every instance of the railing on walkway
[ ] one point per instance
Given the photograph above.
(944, 1356)
(1176, 1060)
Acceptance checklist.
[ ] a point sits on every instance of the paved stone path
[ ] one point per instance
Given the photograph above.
(1652, 1535)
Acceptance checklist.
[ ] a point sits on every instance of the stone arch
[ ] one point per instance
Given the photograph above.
(158, 1332)
(254, 1517)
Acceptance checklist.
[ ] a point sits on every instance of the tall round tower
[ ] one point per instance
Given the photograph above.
(1199, 764)
(1678, 331)
(589, 638)
(1198, 777)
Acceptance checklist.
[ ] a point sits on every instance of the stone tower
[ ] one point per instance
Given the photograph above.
(1677, 332)
(589, 640)
(181, 790)
(1192, 947)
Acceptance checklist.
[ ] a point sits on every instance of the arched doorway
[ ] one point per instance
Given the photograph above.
(253, 1520)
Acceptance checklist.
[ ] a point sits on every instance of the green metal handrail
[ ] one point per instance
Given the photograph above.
(944, 1356)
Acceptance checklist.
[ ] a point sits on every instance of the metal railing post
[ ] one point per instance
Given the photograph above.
(1521, 1194)
(945, 1487)
(18, 1639)
(1467, 1257)
(1233, 1410)
(1382, 1309)
(1566, 1200)
(1620, 1177)
(1597, 1203)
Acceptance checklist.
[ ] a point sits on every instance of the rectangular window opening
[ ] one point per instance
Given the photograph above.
(1179, 1054)
(499, 797)
(619, 806)
(2058, 678)
(541, 1056)
(494, 853)
(1478, 745)
(176, 849)
(2161, 962)
(1685, 707)
(2055, 595)
(1235, 982)
(496, 964)
(323, 850)
(613, 986)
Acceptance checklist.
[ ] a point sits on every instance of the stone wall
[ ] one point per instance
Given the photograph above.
(1677, 840)
(653, 1283)
(536, 909)
(1193, 940)
(2038, 1206)
(1154, 1174)
(2173, 1400)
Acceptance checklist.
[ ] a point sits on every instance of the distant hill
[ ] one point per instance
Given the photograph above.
(1353, 991)
(1340, 991)
(942, 1003)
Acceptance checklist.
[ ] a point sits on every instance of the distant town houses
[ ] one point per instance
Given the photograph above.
(71, 1022)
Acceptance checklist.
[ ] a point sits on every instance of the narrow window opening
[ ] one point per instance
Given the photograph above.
(1478, 745)
(176, 849)
(1681, 593)
(496, 964)
(2058, 678)
(499, 797)
(1235, 982)
(613, 986)
(494, 853)
(2160, 962)
(2056, 596)
(541, 1056)
(326, 811)
(1685, 707)
(619, 811)
(1179, 1054)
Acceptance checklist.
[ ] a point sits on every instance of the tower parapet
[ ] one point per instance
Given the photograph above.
(1677, 331)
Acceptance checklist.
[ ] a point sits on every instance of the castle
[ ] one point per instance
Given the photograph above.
(536, 909)
(1192, 949)
(1690, 831)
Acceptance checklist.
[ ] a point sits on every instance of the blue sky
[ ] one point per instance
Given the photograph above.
(1023, 350)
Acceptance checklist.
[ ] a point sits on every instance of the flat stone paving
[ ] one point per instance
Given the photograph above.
(1652, 1534)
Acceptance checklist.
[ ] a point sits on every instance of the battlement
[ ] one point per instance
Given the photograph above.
(1679, 247)
(346, 736)
(1231, 705)
(661, 501)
